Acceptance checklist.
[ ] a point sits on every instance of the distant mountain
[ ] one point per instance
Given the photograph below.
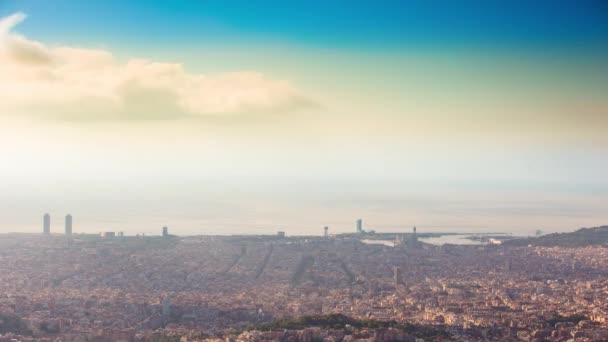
(597, 236)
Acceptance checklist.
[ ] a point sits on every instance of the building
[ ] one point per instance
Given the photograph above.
(68, 225)
(165, 231)
(359, 226)
(46, 224)
(398, 240)
(413, 241)
(281, 234)
(397, 276)
(109, 234)
(166, 308)
(325, 232)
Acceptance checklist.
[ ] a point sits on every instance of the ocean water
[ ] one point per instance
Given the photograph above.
(298, 209)
(451, 239)
(435, 240)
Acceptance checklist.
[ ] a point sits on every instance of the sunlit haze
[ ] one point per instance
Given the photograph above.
(247, 119)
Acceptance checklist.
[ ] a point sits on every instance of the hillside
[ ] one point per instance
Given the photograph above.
(339, 322)
(597, 236)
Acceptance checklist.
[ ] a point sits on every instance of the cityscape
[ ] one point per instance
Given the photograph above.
(303, 171)
(111, 287)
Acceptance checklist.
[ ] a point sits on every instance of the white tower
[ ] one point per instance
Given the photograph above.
(68, 225)
(46, 224)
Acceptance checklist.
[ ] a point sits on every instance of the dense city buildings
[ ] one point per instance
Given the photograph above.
(204, 287)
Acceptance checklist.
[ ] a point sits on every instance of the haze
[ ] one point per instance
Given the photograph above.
(215, 119)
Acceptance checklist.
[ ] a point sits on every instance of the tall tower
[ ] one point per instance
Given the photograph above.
(46, 224)
(397, 276)
(165, 231)
(413, 241)
(166, 309)
(325, 229)
(68, 225)
(359, 226)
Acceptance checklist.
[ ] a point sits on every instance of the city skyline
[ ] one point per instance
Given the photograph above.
(299, 171)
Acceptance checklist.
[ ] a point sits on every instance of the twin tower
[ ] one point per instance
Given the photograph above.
(46, 224)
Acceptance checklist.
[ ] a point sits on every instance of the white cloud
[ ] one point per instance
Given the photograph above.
(7, 23)
(89, 84)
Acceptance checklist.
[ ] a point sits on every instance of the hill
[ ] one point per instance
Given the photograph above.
(339, 321)
(597, 236)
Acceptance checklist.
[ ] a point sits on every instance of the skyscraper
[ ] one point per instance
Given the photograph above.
(46, 224)
(413, 241)
(359, 226)
(325, 229)
(165, 231)
(397, 276)
(166, 309)
(68, 225)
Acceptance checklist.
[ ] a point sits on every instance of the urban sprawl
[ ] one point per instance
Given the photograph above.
(79, 287)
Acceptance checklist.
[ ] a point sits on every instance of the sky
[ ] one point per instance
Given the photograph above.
(253, 116)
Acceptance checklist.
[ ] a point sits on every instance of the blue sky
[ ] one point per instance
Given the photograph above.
(335, 24)
(450, 101)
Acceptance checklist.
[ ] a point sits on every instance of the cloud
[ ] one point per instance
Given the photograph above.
(7, 23)
(89, 84)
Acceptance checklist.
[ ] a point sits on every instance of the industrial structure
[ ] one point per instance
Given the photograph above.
(166, 309)
(68, 225)
(46, 224)
(397, 276)
(413, 241)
